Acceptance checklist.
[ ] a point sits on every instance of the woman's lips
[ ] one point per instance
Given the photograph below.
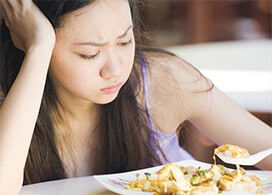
(111, 89)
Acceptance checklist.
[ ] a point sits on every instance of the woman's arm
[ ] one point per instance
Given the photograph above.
(18, 115)
(224, 121)
(181, 96)
(20, 108)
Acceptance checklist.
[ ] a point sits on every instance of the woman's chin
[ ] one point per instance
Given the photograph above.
(107, 99)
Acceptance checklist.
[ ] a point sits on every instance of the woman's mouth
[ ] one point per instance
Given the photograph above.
(111, 89)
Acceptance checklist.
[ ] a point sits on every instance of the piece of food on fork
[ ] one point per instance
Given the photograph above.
(232, 151)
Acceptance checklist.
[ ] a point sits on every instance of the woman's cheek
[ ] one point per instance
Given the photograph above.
(130, 58)
(70, 71)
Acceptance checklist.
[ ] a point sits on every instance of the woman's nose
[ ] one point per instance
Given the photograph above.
(111, 68)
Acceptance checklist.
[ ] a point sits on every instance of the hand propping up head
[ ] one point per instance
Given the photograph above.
(28, 26)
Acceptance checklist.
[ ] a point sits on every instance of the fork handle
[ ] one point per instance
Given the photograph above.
(265, 153)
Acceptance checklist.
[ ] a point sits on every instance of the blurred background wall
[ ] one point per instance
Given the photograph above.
(175, 22)
(183, 22)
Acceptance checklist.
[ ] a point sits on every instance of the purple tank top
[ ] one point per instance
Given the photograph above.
(163, 144)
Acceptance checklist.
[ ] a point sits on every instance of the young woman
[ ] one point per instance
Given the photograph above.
(81, 95)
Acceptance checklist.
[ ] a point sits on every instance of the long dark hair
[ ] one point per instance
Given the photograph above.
(124, 136)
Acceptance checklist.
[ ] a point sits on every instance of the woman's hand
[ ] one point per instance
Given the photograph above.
(27, 24)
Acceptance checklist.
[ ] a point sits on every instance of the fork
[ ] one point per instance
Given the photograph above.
(250, 160)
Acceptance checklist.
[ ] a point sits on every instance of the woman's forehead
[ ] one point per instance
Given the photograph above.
(99, 19)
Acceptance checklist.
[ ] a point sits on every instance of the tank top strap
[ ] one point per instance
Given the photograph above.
(145, 80)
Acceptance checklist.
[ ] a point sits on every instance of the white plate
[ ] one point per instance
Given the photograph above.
(116, 182)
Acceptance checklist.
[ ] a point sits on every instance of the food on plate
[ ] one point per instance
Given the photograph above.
(179, 180)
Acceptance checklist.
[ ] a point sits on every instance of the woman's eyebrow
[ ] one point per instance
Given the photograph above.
(102, 44)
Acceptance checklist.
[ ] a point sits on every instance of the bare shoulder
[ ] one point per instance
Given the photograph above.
(173, 83)
(177, 71)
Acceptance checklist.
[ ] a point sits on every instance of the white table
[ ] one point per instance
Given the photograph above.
(241, 69)
(73, 186)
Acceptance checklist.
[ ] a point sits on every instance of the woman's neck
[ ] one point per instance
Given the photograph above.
(75, 133)
(81, 117)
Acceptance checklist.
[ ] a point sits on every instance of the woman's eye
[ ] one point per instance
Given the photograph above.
(89, 57)
(126, 43)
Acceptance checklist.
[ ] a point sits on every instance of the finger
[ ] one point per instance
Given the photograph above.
(19, 3)
(2, 11)
(4, 8)
(10, 5)
(25, 2)
(2, 5)
(10, 8)
(7, 4)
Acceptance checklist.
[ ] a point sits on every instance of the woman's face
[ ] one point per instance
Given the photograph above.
(94, 52)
